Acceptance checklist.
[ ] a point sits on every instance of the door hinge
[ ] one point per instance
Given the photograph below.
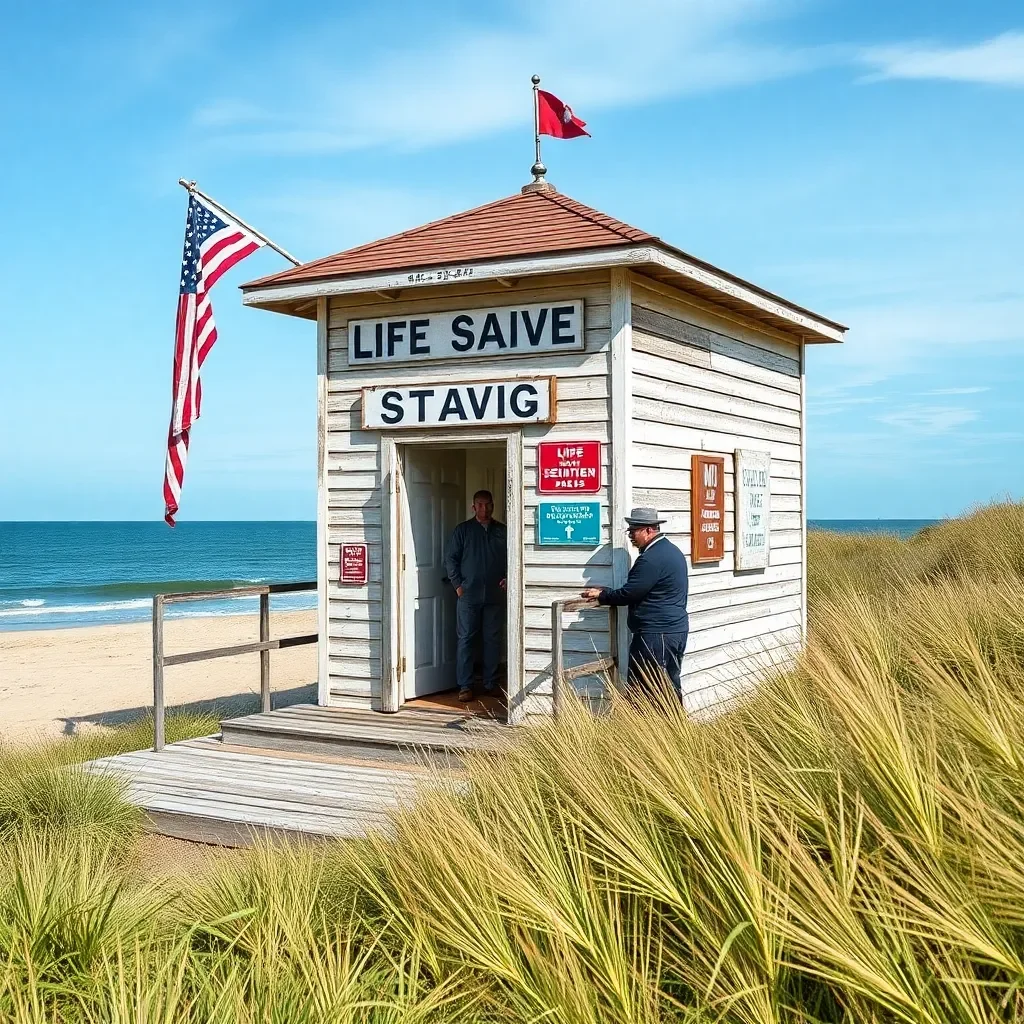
(403, 563)
(403, 666)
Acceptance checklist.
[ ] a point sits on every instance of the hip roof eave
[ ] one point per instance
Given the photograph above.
(659, 254)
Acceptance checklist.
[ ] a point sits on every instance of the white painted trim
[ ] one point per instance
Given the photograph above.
(588, 260)
(515, 614)
(747, 295)
(323, 690)
(624, 256)
(392, 687)
(803, 492)
(391, 684)
(621, 491)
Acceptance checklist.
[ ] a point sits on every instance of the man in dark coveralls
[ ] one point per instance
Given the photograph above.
(655, 592)
(476, 563)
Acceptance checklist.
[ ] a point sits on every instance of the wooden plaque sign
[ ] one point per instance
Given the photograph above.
(752, 474)
(707, 508)
(446, 403)
(355, 567)
(456, 335)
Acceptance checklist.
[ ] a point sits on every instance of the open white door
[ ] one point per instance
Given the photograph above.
(435, 482)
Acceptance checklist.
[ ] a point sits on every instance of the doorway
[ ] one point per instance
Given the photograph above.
(439, 484)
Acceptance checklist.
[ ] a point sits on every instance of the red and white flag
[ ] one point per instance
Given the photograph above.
(213, 245)
(556, 118)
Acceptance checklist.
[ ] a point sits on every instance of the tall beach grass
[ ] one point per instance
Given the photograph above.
(845, 844)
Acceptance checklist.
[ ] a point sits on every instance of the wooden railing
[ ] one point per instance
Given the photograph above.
(560, 675)
(264, 645)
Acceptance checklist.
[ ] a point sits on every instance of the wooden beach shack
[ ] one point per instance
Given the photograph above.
(575, 366)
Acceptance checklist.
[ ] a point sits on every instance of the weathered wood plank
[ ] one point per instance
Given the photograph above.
(411, 736)
(659, 383)
(244, 768)
(339, 804)
(656, 357)
(696, 438)
(663, 411)
(701, 309)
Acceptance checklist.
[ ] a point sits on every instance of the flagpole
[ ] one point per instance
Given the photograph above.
(538, 170)
(190, 187)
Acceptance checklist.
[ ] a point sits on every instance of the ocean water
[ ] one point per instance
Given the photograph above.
(54, 575)
(899, 527)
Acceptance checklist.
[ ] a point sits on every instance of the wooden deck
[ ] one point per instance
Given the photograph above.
(299, 772)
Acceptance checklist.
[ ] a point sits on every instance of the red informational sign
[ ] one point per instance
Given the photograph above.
(569, 467)
(707, 508)
(354, 564)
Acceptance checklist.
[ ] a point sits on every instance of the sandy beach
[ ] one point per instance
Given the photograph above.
(61, 681)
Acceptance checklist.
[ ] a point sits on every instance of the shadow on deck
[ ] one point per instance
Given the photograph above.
(231, 705)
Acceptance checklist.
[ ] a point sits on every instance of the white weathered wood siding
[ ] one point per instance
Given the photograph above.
(703, 383)
(352, 476)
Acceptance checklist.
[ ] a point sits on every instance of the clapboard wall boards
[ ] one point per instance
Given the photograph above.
(662, 375)
(352, 499)
(703, 383)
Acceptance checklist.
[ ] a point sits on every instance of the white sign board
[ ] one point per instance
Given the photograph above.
(752, 476)
(459, 334)
(479, 403)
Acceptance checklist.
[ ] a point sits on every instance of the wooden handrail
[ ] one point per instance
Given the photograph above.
(264, 646)
(560, 675)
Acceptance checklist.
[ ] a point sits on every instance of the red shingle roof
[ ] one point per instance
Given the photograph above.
(525, 224)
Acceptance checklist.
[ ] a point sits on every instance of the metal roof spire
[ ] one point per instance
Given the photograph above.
(538, 170)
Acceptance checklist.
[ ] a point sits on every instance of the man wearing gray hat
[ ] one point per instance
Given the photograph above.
(655, 592)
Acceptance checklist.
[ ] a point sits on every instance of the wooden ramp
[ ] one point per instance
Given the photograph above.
(207, 792)
(299, 772)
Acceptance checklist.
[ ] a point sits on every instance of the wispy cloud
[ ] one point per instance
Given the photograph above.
(464, 81)
(326, 216)
(897, 337)
(957, 391)
(149, 45)
(929, 420)
(996, 61)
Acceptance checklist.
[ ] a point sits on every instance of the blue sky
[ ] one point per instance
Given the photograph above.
(860, 157)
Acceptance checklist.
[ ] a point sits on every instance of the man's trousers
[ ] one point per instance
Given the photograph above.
(478, 622)
(650, 655)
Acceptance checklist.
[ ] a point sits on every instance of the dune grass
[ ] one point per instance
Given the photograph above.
(986, 544)
(845, 844)
(43, 791)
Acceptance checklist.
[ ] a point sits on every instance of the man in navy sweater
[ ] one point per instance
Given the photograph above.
(655, 592)
(475, 561)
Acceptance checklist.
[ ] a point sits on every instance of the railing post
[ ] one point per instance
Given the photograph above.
(265, 654)
(613, 642)
(557, 657)
(158, 672)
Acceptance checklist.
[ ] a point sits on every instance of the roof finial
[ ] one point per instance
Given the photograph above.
(538, 170)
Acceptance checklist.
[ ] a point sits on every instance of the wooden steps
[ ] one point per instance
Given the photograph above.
(199, 791)
(410, 736)
(298, 772)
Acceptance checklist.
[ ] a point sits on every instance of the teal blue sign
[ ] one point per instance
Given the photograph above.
(569, 522)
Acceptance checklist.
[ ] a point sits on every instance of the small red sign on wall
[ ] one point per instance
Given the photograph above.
(354, 564)
(569, 467)
(707, 508)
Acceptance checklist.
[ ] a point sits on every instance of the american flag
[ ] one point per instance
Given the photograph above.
(213, 245)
